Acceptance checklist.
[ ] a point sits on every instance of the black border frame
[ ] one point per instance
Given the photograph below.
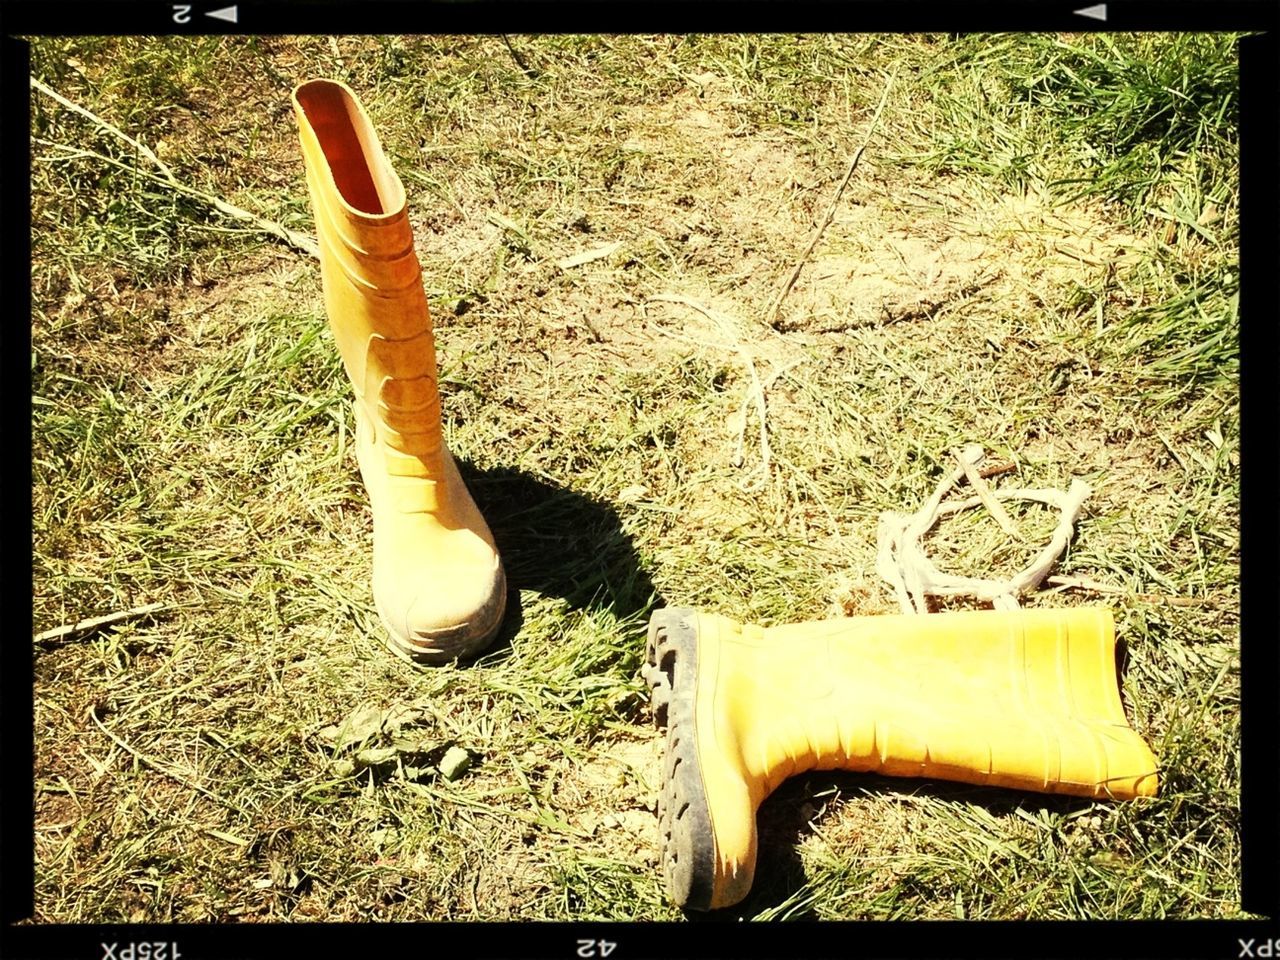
(1260, 515)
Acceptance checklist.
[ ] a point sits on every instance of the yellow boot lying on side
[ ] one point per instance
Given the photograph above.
(1025, 699)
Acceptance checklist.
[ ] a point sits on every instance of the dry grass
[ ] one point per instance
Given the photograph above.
(254, 753)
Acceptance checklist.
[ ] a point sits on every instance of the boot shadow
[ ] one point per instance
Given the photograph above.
(561, 543)
(782, 824)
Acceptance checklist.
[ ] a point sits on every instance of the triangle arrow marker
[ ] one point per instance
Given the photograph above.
(231, 15)
(1097, 12)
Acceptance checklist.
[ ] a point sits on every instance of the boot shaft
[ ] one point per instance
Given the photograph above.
(1025, 699)
(370, 274)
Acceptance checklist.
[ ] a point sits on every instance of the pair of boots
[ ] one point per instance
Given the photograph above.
(1025, 699)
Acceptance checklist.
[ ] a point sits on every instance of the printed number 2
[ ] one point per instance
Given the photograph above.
(182, 13)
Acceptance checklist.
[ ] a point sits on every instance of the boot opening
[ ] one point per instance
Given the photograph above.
(360, 171)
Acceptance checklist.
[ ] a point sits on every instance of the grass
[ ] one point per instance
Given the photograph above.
(1037, 253)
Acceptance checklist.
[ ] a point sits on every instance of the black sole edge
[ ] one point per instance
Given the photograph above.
(688, 843)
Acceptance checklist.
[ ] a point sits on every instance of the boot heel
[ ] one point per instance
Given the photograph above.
(688, 842)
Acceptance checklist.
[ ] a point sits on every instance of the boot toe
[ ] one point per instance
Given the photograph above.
(451, 618)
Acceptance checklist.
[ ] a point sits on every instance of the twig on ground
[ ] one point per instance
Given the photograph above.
(520, 61)
(756, 388)
(974, 476)
(772, 314)
(297, 240)
(739, 452)
(142, 148)
(1093, 586)
(996, 469)
(75, 631)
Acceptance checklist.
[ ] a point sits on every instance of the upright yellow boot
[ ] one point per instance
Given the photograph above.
(1025, 699)
(438, 582)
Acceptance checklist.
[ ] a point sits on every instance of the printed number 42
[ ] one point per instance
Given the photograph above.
(595, 948)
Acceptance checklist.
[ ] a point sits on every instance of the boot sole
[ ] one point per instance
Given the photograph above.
(455, 643)
(688, 841)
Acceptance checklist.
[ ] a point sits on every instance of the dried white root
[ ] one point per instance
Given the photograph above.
(902, 562)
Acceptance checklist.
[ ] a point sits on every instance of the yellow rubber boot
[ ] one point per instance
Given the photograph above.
(1025, 699)
(438, 581)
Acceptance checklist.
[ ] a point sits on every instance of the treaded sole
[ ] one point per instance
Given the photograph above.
(688, 843)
